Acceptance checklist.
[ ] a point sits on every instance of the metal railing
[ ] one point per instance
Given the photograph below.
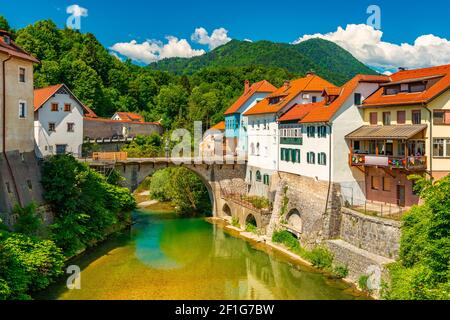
(380, 209)
(240, 199)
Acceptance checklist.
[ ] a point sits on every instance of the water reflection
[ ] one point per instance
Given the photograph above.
(164, 257)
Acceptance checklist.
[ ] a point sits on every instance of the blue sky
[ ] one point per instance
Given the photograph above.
(280, 21)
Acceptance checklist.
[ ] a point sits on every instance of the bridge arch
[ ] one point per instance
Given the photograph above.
(294, 220)
(226, 210)
(252, 219)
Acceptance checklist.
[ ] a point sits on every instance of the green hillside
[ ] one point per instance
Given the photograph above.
(324, 57)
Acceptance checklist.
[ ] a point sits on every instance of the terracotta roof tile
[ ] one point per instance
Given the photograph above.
(440, 73)
(299, 111)
(130, 116)
(324, 113)
(13, 49)
(288, 92)
(42, 95)
(261, 86)
(220, 126)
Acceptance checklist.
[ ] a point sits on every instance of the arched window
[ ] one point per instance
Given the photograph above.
(257, 149)
(252, 149)
(258, 176)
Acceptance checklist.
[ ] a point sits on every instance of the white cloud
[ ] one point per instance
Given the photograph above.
(77, 11)
(151, 50)
(217, 38)
(366, 44)
(248, 40)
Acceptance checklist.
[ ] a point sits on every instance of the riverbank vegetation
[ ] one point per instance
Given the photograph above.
(183, 188)
(87, 208)
(423, 270)
(319, 257)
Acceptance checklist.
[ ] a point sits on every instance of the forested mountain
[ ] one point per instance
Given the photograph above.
(324, 57)
(177, 97)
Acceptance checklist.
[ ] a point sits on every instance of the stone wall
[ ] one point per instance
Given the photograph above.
(96, 128)
(376, 235)
(316, 201)
(27, 175)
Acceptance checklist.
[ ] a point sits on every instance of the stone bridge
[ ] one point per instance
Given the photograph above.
(224, 182)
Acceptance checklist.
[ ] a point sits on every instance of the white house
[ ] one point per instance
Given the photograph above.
(263, 136)
(58, 121)
(312, 136)
(127, 116)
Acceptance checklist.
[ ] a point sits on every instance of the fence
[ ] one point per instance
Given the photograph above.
(241, 200)
(379, 209)
(109, 156)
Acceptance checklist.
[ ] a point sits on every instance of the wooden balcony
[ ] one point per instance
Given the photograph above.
(410, 163)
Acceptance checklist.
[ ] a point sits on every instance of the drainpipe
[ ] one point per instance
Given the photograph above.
(329, 165)
(431, 139)
(4, 129)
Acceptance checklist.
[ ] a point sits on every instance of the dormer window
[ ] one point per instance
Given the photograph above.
(274, 100)
(417, 87)
(391, 90)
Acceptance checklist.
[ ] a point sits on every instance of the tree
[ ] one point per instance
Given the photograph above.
(4, 25)
(170, 103)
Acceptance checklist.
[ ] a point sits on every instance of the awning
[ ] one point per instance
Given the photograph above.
(399, 132)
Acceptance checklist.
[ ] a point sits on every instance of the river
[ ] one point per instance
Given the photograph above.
(165, 257)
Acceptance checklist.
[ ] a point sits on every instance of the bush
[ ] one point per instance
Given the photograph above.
(27, 264)
(28, 222)
(144, 146)
(249, 227)
(257, 202)
(235, 222)
(286, 238)
(363, 283)
(86, 206)
(340, 271)
(321, 258)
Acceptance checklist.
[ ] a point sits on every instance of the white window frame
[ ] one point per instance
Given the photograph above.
(25, 107)
(18, 74)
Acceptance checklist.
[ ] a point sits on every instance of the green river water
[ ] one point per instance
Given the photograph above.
(165, 257)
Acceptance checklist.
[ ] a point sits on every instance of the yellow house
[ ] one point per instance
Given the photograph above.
(19, 173)
(406, 131)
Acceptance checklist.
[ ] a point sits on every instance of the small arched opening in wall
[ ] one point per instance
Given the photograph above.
(226, 211)
(294, 220)
(250, 220)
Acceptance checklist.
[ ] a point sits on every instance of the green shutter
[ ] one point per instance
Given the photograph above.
(293, 155)
(298, 155)
(282, 154)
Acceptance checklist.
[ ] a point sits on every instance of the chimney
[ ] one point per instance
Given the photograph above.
(310, 73)
(287, 83)
(246, 86)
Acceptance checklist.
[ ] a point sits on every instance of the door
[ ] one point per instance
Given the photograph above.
(401, 196)
(61, 149)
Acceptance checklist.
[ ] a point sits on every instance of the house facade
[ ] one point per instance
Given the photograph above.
(312, 136)
(58, 124)
(212, 146)
(19, 171)
(263, 131)
(127, 116)
(236, 123)
(406, 131)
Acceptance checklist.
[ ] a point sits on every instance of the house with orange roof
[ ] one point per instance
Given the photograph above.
(312, 136)
(128, 116)
(58, 121)
(236, 123)
(212, 146)
(406, 130)
(263, 134)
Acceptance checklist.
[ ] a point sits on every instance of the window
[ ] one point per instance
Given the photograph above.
(22, 75)
(282, 153)
(257, 149)
(375, 183)
(251, 175)
(314, 99)
(297, 155)
(441, 147)
(438, 117)
(310, 157)
(386, 118)
(386, 183)
(287, 155)
(70, 127)
(322, 132)
(392, 90)
(322, 158)
(22, 110)
(293, 155)
(67, 107)
(416, 117)
(374, 118)
(357, 97)
(274, 100)
(54, 107)
(401, 117)
(51, 127)
(258, 176)
(311, 131)
(266, 179)
(417, 87)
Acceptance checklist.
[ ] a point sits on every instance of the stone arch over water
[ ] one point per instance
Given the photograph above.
(294, 219)
(226, 210)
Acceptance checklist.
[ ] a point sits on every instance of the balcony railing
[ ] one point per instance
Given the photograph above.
(291, 140)
(410, 163)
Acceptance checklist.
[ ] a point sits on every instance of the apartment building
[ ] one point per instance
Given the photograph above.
(263, 137)
(236, 123)
(406, 131)
(312, 136)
